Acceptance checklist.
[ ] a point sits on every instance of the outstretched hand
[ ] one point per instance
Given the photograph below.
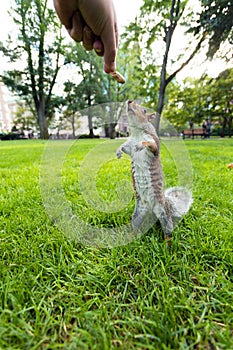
(94, 23)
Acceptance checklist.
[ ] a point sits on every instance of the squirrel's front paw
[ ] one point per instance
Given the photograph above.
(151, 146)
(119, 153)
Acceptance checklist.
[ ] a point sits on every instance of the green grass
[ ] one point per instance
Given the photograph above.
(57, 293)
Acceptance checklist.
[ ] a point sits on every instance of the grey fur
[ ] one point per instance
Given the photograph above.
(152, 203)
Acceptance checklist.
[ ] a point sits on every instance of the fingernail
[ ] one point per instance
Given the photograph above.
(109, 68)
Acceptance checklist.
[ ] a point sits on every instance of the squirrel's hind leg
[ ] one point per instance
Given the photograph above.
(142, 219)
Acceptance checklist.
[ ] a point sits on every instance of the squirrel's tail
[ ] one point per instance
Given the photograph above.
(181, 200)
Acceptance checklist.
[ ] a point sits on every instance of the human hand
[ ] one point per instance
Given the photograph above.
(94, 23)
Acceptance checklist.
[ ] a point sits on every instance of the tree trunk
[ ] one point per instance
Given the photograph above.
(42, 121)
(106, 130)
(112, 125)
(160, 104)
(230, 126)
(73, 125)
(224, 124)
(112, 133)
(168, 38)
(175, 15)
(90, 124)
(111, 122)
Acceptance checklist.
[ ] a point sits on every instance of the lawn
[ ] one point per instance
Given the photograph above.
(58, 291)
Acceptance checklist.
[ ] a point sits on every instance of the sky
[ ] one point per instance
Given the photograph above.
(125, 14)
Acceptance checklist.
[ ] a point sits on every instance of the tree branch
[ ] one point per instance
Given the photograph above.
(30, 62)
(197, 48)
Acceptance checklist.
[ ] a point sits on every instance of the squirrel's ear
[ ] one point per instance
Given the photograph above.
(150, 116)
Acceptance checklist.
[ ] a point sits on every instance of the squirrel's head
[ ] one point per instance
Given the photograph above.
(137, 114)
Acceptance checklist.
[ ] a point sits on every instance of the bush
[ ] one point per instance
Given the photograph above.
(87, 136)
(12, 136)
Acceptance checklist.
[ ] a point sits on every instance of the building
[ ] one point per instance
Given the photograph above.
(7, 109)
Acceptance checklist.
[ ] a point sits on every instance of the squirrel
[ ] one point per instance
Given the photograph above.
(152, 202)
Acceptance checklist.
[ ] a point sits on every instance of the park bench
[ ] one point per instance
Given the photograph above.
(193, 132)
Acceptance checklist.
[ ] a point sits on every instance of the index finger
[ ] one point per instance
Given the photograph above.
(109, 39)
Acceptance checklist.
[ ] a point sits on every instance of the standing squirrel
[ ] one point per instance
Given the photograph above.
(152, 202)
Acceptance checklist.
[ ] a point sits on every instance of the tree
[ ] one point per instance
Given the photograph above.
(97, 88)
(131, 63)
(215, 19)
(115, 95)
(189, 101)
(159, 19)
(204, 98)
(24, 119)
(40, 42)
(222, 99)
(71, 104)
(90, 89)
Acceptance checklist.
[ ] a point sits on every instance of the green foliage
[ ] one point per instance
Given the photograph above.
(57, 293)
(160, 15)
(221, 99)
(189, 101)
(71, 102)
(199, 99)
(157, 23)
(24, 119)
(148, 77)
(216, 20)
(40, 44)
(140, 71)
(94, 88)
